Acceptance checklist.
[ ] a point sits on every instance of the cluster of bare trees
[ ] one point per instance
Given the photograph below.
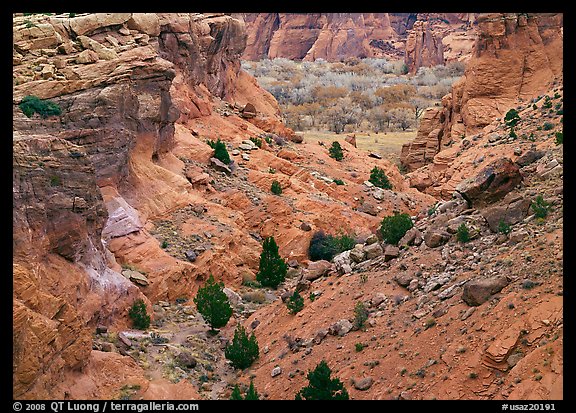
(356, 95)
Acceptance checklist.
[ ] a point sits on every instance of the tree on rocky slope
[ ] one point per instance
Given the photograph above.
(243, 350)
(213, 304)
(272, 270)
(321, 386)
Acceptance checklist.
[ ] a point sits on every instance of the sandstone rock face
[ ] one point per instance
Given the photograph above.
(515, 56)
(338, 36)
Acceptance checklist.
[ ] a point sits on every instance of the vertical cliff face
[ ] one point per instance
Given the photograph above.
(422, 39)
(112, 75)
(515, 57)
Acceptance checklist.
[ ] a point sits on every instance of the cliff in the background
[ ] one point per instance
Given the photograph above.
(421, 39)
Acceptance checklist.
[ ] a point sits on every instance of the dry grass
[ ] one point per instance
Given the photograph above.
(387, 144)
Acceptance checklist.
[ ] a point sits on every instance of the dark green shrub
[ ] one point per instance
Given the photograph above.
(276, 188)
(251, 394)
(272, 269)
(325, 247)
(243, 350)
(295, 303)
(321, 386)
(213, 304)
(503, 227)
(55, 181)
(336, 151)
(463, 234)
(360, 315)
(338, 181)
(138, 315)
(378, 178)
(547, 103)
(71, 15)
(359, 347)
(268, 140)
(220, 151)
(534, 106)
(512, 118)
(540, 207)
(394, 227)
(45, 108)
(164, 244)
(547, 126)
(559, 138)
(512, 134)
(257, 141)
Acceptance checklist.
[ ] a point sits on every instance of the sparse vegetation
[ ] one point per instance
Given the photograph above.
(45, 108)
(338, 181)
(295, 303)
(276, 188)
(378, 178)
(336, 151)
(325, 247)
(503, 227)
(272, 269)
(359, 347)
(463, 233)
(512, 118)
(360, 315)
(257, 141)
(55, 181)
(394, 227)
(139, 315)
(548, 126)
(220, 151)
(559, 138)
(429, 323)
(243, 350)
(540, 207)
(251, 394)
(321, 386)
(213, 304)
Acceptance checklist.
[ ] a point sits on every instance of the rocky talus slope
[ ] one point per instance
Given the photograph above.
(117, 198)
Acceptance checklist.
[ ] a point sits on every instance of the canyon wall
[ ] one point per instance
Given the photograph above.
(420, 39)
(516, 57)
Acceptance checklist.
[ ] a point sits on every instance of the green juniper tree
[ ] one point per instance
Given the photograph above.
(321, 386)
(213, 304)
(243, 350)
(378, 178)
(272, 269)
(336, 151)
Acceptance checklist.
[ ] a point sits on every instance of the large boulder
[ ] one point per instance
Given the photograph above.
(512, 210)
(491, 184)
(317, 269)
(479, 291)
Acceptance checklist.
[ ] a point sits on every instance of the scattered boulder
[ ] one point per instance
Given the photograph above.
(357, 254)
(436, 237)
(403, 279)
(276, 371)
(491, 184)
(148, 23)
(233, 296)
(372, 251)
(362, 384)
(249, 111)
(136, 277)
(340, 327)
(220, 166)
(512, 210)
(87, 56)
(185, 359)
(478, 292)
(317, 269)
(412, 237)
(529, 157)
(390, 252)
(191, 255)
(368, 208)
(305, 226)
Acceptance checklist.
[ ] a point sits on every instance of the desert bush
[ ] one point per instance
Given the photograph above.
(503, 227)
(540, 207)
(295, 303)
(220, 151)
(321, 386)
(325, 247)
(512, 118)
(559, 138)
(378, 178)
(360, 315)
(45, 108)
(336, 151)
(462, 233)
(276, 188)
(394, 227)
(139, 315)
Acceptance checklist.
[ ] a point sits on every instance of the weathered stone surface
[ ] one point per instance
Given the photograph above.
(363, 384)
(478, 292)
(148, 23)
(317, 269)
(435, 237)
(492, 183)
(123, 219)
(512, 210)
(372, 251)
(391, 252)
(340, 328)
(357, 254)
(136, 277)
(220, 166)
(529, 157)
(87, 56)
(412, 237)
(84, 25)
